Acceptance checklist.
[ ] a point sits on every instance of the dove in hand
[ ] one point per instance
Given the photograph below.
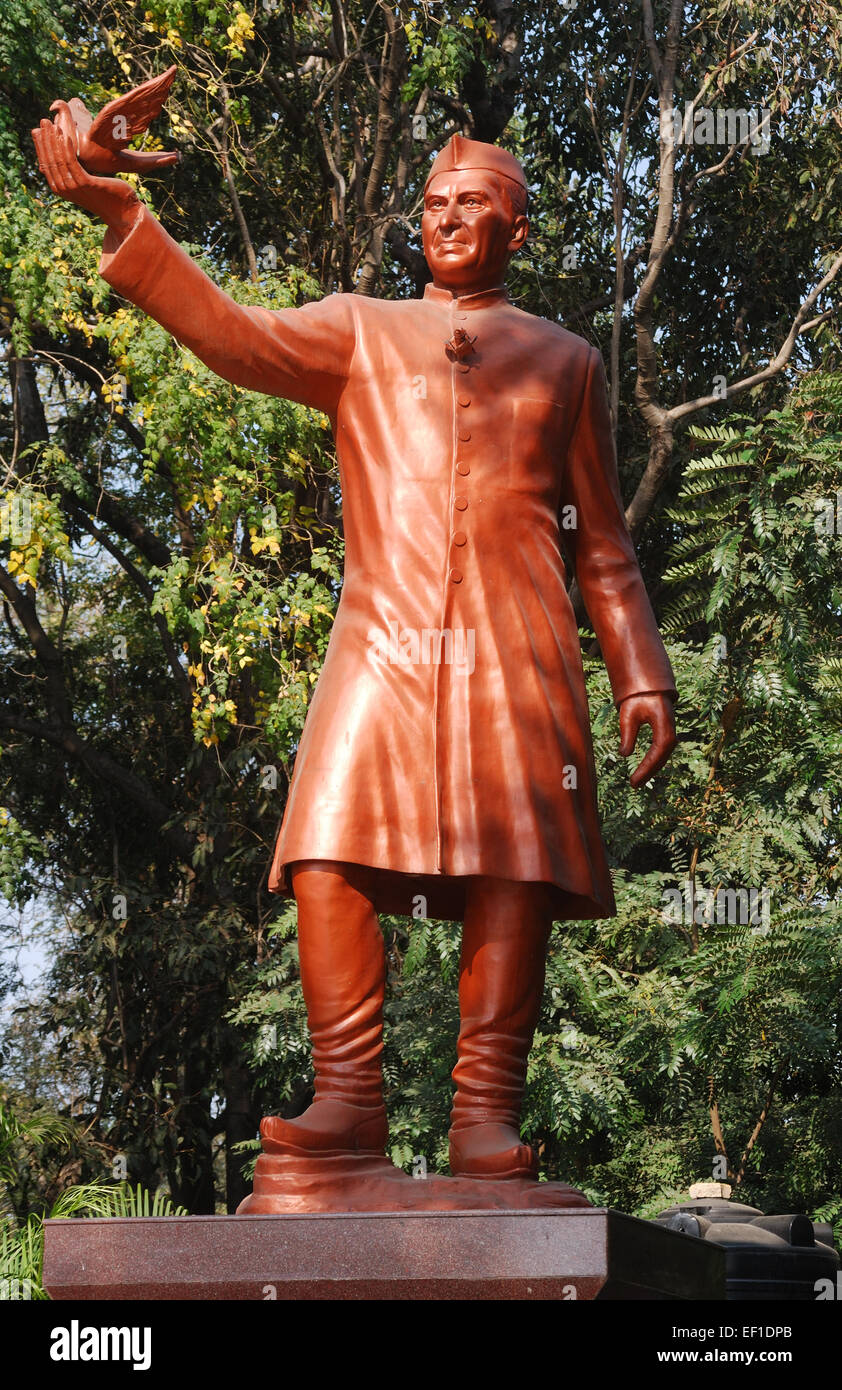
(101, 143)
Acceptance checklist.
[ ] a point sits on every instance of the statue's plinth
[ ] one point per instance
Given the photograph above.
(284, 1184)
(581, 1253)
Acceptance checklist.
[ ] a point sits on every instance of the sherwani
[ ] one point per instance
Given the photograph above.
(449, 734)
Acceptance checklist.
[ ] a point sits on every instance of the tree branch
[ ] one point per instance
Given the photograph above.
(800, 324)
(100, 764)
(143, 585)
(755, 1133)
(48, 655)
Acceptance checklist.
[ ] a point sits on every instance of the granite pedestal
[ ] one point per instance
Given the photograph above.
(566, 1255)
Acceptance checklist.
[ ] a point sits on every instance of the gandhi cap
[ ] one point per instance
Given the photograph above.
(460, 153)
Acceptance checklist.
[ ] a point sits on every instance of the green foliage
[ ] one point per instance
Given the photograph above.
(40, 1128)
(185, 560)
(22, 1248)
(19, 851)
(22, 1244)
(442, 52)
(22, 1261)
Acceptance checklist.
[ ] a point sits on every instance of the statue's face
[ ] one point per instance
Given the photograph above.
(470, 230)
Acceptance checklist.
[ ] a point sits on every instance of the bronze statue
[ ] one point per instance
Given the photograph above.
(446, 766)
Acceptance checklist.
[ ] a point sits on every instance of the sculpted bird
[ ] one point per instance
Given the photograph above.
(101, 142)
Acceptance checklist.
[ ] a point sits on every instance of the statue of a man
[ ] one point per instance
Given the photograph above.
(446, 767)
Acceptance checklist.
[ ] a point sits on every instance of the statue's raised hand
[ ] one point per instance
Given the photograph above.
(101, 142)
(77, 147)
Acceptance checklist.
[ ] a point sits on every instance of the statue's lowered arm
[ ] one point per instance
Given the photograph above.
(608, 574)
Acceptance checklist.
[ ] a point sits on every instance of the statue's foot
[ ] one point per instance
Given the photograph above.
(327, 1127)
(491, 1150)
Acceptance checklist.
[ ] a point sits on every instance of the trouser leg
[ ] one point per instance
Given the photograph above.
(343, 976)
(504, 946)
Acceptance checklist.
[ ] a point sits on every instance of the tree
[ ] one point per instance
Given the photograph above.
(171, 561)
(705, 267)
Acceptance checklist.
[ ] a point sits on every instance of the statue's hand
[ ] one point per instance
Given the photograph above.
(114, 200)
(101, 142)
(657, 710)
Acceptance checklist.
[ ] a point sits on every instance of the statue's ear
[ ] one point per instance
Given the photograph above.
(520, 231)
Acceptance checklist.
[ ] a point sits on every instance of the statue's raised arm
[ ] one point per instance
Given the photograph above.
(302, 354)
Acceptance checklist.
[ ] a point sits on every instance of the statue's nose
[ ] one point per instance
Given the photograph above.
(450, 217)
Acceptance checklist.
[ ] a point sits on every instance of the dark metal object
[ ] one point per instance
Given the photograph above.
(767, 1257)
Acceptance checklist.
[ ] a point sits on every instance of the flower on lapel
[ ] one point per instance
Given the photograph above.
(461, 345)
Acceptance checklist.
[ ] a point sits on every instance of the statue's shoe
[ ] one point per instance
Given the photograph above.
(491, 1150)
(327, 1127)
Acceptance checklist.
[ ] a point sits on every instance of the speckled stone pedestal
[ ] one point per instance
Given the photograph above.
(586, 1253)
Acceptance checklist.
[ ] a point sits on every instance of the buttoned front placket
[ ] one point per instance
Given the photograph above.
(460, 487)
(461, 313)
(458, 566)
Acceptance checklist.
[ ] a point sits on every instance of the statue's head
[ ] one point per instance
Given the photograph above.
(474, 215)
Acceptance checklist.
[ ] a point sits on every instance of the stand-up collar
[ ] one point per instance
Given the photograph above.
(482, 299)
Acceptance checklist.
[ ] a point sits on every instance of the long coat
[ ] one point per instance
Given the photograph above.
(449, 734)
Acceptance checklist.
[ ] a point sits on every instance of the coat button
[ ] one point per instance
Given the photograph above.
(459, 538)
(456, 576)
(464, 435)
(461, 504)
(464, 400)
(463, 468)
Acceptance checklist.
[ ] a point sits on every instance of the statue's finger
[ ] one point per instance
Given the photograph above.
(629, 729)
(63, 160)
(627, 742)
(646, 768)
(36, 140)
(663, 732)
(66, 160)
(56, 140)
(58, 152)
(656, 757)
(47, 155)
(65, 123)
(154, 159)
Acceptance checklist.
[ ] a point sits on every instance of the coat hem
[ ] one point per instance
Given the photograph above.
(443, 896)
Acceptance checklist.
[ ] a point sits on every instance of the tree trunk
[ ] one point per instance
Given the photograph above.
(241, 1122)
(654, 476)
(195, 1188)
(30, 422)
